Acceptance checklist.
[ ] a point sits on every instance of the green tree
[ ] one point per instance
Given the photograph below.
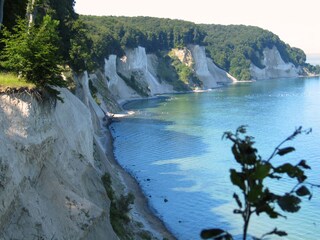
(256, 197)
(81, 53)
(12, 9)
(32, 52)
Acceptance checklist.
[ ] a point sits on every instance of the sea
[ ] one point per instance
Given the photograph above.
(174, 148)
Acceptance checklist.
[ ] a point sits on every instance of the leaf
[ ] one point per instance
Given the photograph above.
(276, 232)
(303, 163)
(303, 191)
(273, 176)
(268, 210)
(212, 233)
(254, 193)
(301, 178)
(280, 233)
(289, 203)
(237, 211)
(236, 179)
(242, 129)
(292, 171)
(236, 197)
(286, 150)
(262, 171)
(236, 153)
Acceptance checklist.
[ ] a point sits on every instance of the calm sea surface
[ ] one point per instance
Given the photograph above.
(173, 147)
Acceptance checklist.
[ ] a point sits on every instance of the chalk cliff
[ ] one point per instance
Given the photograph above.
(210, 75)
(116, 84)
(275, 67)
(140, 66)
(49, 188)
(136, 74)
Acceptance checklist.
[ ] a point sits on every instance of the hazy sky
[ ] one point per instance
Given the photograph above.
(296, 22)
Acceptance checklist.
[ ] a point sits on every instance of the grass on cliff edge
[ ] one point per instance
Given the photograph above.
(11, 80)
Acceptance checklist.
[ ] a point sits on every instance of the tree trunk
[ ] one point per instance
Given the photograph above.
(31, 11)
(1, 11)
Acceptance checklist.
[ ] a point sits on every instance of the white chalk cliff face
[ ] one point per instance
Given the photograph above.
(115, 83)
(49, 187)
(141, 69)
(275, 67)
(206, 70)
(138, 64)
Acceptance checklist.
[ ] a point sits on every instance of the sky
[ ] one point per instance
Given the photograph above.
(296, 22)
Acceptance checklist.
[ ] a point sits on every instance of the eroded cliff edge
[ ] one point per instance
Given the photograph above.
(53, 156)
(49, 186)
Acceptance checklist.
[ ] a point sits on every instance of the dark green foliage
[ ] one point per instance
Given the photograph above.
(152, 33)
(186, 74)
(81, 56)
(167, 72)
(63, 12)
(313, 69)
(93, 92)
(32, 52)
(119, 208)
(107, 183)
(13, 9)
(234, 47)
(255, 196)
(74, 48)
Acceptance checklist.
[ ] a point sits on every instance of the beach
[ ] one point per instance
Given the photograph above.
(140, 211)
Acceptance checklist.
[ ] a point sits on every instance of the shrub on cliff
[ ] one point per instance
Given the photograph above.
(32, 52)
(119, 209)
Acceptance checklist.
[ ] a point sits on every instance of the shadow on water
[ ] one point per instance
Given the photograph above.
(159, 159)
(139, 104)
(150, 140)
(166, 147)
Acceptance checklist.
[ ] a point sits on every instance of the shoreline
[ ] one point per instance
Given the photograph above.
(141, 211)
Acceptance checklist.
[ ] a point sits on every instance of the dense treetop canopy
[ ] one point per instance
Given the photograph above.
(232, 47)
(86, 40)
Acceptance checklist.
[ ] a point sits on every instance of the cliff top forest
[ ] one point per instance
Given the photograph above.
(86, 40)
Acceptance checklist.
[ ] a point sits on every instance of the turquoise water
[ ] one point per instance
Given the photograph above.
(173, 147)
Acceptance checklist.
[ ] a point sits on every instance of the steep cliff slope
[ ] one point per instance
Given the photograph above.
(137, 74)
(274, 66)
(207, 71)
(49, 187)
(116, 84)
(138, 66)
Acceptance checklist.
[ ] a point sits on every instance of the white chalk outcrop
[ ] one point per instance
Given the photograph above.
(139, 68)
(49, 187)
(136, 74)
(275, 67)
(210, 75)
(116, 84)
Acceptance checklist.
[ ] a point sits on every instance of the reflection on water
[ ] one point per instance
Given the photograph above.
(173, 147)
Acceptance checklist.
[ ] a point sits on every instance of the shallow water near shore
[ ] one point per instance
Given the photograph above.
(173, 147)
